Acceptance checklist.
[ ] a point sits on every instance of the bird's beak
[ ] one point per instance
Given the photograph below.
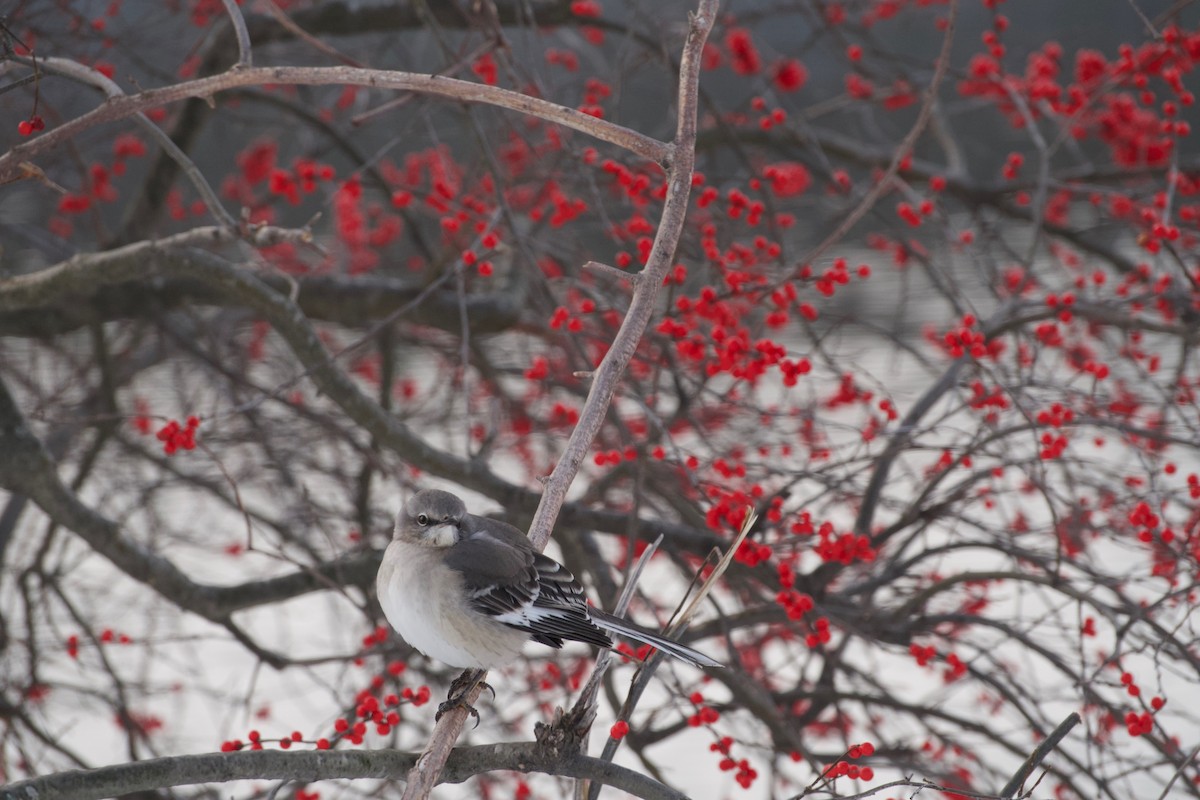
(443, 535)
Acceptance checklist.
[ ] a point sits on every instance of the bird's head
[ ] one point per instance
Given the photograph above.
(431, 518)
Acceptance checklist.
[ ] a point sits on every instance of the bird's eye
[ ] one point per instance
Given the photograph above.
(422, 520)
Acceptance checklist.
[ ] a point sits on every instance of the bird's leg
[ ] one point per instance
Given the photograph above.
(459, 690)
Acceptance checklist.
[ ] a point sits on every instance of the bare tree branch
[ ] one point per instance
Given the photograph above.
(317, 765)
(1039, 755)
(117, 108)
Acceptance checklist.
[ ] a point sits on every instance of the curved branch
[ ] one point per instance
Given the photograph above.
(245, 56)
(117, 108)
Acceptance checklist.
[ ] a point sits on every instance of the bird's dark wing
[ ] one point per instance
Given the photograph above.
(519, 587)
(560, 609)
(558, 586)
(496, 562)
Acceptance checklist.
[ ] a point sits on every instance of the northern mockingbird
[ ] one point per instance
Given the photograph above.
(471, 591)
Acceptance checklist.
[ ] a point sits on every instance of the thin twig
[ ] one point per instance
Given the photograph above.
(587, 698)
(879, 789)
(1182, 766)
(245, 57)
(641, 678)
(1039, 755)
(706, 588)
(1153, 31)
(288, 24)
(613, 272)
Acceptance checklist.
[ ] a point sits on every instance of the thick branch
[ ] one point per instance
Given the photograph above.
(349, 301)
(314, 765)
(84, 273)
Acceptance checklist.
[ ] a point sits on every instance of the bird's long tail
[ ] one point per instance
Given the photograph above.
(630, 630)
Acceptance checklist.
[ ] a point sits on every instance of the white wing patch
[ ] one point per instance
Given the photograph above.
(527, 616)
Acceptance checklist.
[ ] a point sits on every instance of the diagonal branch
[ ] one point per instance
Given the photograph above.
(608, 375)
(645, 295)
(1039, 755)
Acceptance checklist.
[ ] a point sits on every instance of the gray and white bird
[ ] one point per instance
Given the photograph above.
(470, 591)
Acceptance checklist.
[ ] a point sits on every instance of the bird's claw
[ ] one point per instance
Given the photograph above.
(456, 702)
(457, 696)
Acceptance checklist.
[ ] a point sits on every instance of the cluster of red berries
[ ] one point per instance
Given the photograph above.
(1139, 724)
(175, 436)
(28, 126)
(845, 769)
(705, 714)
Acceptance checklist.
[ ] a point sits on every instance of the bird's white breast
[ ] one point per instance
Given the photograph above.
(425, 602)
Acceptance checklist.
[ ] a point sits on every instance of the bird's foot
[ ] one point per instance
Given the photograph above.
(459, 690)
(456, 702)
